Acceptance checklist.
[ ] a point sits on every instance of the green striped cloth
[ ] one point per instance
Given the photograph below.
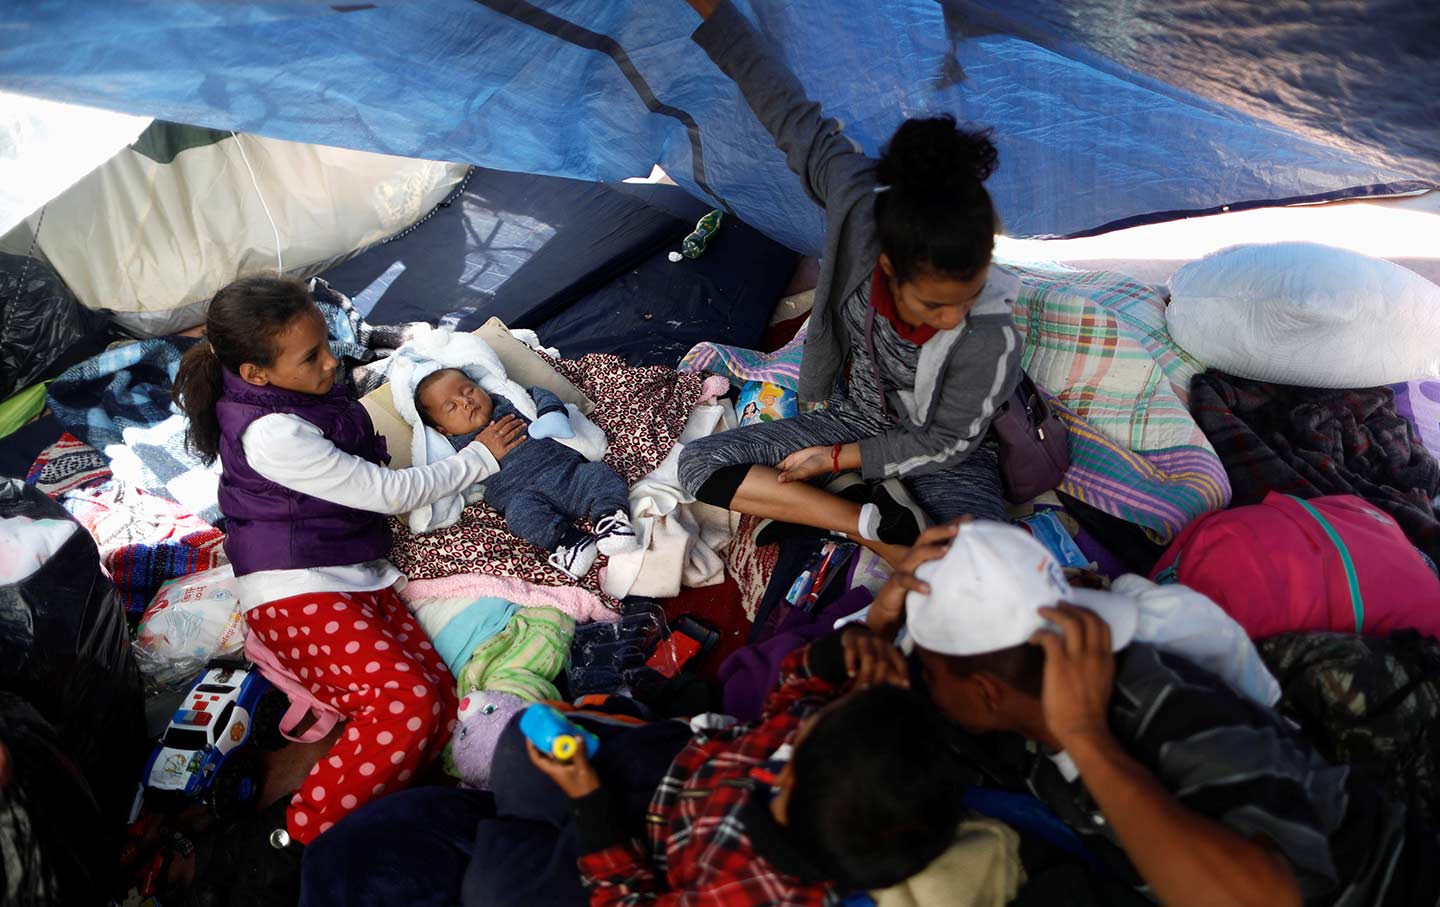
(524, 658)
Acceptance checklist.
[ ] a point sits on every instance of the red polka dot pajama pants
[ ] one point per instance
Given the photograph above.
(365, 654)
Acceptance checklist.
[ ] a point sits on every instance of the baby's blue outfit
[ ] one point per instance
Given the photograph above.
(543, 487)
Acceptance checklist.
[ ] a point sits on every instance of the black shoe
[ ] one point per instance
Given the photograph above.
(901, 519)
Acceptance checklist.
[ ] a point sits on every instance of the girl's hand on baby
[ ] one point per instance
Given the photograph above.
(502, 436)
(806, 464)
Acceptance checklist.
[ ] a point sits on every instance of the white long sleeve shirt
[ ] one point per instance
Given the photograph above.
(289, 451)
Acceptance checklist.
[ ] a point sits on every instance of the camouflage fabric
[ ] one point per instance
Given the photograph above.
(1369, 702)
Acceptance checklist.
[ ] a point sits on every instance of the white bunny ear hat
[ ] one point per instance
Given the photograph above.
(429, 352)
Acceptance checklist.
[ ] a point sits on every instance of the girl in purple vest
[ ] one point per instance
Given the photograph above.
(305, 494)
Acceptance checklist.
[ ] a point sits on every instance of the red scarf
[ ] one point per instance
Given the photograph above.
(884, 303)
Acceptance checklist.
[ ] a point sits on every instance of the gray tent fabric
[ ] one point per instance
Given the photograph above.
(1091, 135)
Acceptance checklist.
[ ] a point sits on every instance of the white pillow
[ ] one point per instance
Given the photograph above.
(1306, 314)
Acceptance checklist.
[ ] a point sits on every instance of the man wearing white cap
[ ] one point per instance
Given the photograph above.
(1201, 795)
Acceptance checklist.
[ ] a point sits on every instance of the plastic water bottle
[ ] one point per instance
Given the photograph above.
(555, 735)
(694, 245)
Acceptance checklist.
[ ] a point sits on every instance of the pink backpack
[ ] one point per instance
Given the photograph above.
(1334, 563)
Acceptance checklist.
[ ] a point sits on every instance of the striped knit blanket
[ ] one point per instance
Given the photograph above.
(1097, 340)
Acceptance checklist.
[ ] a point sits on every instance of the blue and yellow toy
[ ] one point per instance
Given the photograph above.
(555, 735)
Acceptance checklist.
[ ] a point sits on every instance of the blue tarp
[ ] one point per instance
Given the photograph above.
(598, 89)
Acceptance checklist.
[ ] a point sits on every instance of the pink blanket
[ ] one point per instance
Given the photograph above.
(581, 604)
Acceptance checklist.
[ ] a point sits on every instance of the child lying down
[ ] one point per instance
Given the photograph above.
(542, 486)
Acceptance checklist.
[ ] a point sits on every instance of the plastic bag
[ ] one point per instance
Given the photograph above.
(42, 322)
(191, 620)
(64, 647)
(622, 656)
(54, 842)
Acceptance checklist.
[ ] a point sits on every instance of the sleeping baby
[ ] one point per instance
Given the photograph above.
(542, 486)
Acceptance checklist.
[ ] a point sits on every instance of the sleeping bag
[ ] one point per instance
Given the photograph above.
(1332, 563)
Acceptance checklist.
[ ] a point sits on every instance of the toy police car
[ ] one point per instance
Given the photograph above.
(204, 754)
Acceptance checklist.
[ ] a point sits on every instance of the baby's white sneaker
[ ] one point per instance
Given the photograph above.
(614, 534)
(576, 558)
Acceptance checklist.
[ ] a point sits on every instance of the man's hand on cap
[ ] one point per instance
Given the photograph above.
(887, 612)
(1079, 673)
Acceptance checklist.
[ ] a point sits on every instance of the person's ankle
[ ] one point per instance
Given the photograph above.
(869, 523)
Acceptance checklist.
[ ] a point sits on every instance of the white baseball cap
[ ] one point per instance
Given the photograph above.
(986, 591)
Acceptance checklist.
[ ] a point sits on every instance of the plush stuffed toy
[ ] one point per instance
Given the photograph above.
(483, 715)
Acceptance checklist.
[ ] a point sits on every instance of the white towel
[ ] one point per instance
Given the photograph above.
(681, 539)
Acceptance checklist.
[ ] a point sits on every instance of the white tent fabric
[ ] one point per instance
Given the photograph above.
(153, 241)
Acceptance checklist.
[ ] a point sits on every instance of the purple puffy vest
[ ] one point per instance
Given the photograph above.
(271, 527)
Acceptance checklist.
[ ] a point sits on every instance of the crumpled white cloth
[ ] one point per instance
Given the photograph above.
(1176, 618)
(681, 539)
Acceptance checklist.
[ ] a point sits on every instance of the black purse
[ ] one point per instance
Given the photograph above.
(1034, 443)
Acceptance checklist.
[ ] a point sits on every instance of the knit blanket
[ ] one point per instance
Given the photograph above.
(144, 539)
(641, 410)
(118, 402)
(1310, 442)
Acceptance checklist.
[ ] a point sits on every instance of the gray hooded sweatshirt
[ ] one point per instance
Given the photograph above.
(963, 375)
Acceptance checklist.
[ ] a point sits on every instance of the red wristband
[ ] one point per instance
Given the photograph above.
(835, 459)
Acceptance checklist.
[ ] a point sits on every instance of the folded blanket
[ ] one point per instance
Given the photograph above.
(523, 659)
(1311, 442)
(67, 464)
(460, 613)
(643, 412)
(740, 365)
(1097, 341)
(581, 605)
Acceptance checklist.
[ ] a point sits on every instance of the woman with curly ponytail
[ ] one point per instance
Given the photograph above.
(911, 345)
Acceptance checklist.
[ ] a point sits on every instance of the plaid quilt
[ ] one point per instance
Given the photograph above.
(1310, 442)
(1097, 340)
